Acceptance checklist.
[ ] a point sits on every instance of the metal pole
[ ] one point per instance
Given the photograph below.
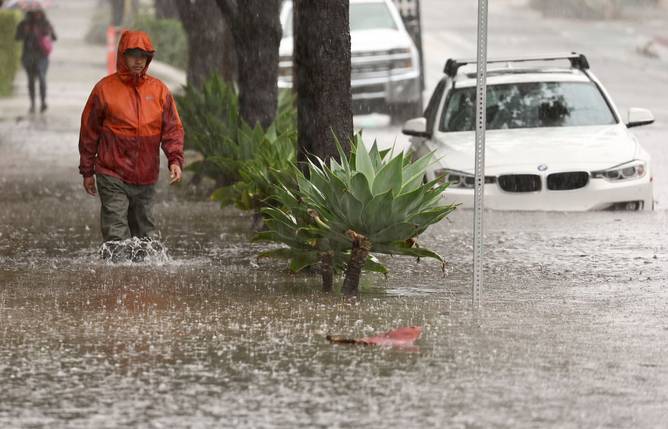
(481, 119)
(418, 39)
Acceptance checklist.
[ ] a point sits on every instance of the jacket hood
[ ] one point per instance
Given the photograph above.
(132, 40)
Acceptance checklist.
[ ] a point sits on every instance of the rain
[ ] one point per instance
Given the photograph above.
(571, 332)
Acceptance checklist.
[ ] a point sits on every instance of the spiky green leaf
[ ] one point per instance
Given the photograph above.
(377, 213)
(390, 177)
(402, 249)
(394, 232)
(303, 260)
(359, 186)
(363, 163)
(373, 265)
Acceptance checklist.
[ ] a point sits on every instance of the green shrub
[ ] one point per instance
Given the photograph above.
(168, 37)
(273, 153)
(295, 224)
(370, 202)
(10, 50)
(210, 117)
(271, 162)
(243, 161)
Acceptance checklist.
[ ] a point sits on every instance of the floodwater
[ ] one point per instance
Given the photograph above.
(572, 331)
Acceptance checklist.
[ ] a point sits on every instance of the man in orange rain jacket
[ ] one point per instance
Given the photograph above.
(128, 116)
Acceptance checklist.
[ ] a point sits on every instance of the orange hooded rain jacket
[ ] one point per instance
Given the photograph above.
(126, 119)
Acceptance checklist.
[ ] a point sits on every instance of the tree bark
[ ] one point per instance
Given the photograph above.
(358, 254)
(206, 31)
(322, 76)
(256, 30)
(117, 12)
(327, 270)
(167, 9)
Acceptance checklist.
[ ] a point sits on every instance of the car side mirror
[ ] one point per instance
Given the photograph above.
(416, 127)
(638, 117)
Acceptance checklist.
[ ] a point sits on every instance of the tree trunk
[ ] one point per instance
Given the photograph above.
(322, 76)
(230, 66)
(256, 30)
(205, 28)
(359, 253)
(167, 9)
(327, 270)
(117, 12)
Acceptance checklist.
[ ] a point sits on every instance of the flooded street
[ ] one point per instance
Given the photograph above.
(572, 333)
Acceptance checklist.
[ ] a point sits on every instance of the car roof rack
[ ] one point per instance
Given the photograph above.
(578, 61)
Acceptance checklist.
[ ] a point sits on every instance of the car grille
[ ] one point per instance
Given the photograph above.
(368, 89)
(567, 181)
(520, 182)
(378, 63)
(361, 69)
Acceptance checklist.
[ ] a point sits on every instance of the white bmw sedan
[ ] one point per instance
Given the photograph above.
(554, 140)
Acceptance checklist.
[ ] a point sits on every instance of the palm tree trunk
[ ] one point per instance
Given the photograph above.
(359, 253)
(327, 271)
(256, 28)
(205, 27)
(322, 77)
(258, 221)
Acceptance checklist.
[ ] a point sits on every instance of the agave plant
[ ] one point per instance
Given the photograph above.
(290, 221)
(286, 116)
(210, 117)
(214, 128)
(271, 163)
(372, 202)
(273, 153)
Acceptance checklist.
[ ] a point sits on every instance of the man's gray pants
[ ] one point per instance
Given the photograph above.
(126, 209)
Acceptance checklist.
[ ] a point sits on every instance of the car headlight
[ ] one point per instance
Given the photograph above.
(459, 179)
(402, 59)
(626, 171)
(403, 63)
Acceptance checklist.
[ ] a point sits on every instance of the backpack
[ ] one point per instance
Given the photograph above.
(45, 44)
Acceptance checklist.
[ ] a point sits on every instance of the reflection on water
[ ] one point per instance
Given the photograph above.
(572, 332)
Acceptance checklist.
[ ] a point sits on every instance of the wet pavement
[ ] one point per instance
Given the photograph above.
(572, 332)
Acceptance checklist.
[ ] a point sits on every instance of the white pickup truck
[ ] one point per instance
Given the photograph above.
(385, 63)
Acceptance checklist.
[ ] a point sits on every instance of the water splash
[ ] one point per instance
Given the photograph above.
(134, 250)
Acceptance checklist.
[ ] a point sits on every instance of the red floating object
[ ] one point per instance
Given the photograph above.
(400, 337)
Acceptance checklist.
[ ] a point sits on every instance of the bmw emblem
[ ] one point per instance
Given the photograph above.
(542, 167)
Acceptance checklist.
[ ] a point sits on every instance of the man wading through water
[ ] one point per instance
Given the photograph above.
(128, 116)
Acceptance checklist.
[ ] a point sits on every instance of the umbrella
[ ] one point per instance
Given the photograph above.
(27, 4)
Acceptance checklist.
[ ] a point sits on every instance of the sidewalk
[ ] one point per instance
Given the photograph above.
(44, 147)
(74, 66)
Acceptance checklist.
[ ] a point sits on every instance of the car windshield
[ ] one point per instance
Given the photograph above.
(370, 16)
(363, 16)
(529, 105)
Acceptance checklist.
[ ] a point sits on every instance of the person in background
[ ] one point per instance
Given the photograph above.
(128, 117)
(37, 35)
